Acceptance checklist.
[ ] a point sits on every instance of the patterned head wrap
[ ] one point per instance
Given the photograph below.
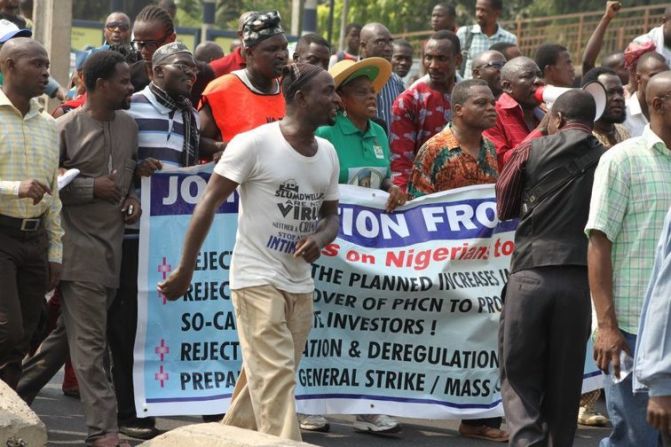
(168, 50)
(259, 26)
(634, 52)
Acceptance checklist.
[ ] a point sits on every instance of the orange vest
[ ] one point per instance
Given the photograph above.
(236, 108)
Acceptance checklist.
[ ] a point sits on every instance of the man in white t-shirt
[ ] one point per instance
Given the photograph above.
(288, 212)
(661, 36)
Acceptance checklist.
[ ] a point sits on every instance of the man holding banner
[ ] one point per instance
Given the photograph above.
(546, 315)
(288, 181)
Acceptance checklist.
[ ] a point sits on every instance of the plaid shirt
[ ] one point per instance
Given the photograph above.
(630, 198)
(386, 98)
(480, 43)
(29, 149)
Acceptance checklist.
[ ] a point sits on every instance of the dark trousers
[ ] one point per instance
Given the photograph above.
(122, 322)
(24, 277)
(542, 340)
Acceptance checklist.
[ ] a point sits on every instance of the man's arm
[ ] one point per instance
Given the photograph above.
(218, 189)
(327, 229)
(609, 340)
(595, 41)
(210, 138)
(510, 183)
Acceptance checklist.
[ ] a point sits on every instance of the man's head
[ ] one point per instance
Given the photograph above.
(152, 29)
(401, 57)
(473, 105)
(658, 97)
(310, 95)
(174, 69)
(615, 111)
(117, 29)
(648, 65)
(313, 49)
(666, 27)
(509, 50)
(169, 6)
(376, 41)
(556, 65)
(443, 17)
(264, 43)
(487, 12)
(353, 38)
(615, 61)
(25, 67)
(487, 66)
(107, 79)
(208, 51)
(9, 7)
(442, 56)
(573, 106)
(520, 78)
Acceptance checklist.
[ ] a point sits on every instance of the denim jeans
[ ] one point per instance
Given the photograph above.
(627, 412)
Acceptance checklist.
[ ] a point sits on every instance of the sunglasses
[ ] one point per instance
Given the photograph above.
(148, 44)
(121, 26)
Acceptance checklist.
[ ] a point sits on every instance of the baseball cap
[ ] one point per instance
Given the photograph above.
(9, 30)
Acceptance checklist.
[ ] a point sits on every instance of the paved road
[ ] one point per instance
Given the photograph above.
(65, 422)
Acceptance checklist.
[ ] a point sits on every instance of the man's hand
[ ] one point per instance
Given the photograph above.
(612, 8)
(176, 284)
(147, 167)
(131, 210)
(55, 270)
(105, 188)
(607, 347)
(308, 248)
(33, 189)
(659, 413)
(396, 198)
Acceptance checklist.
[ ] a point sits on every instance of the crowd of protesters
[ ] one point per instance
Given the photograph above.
(590, 184)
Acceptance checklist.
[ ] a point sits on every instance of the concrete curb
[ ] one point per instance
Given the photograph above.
(215, 434)
(19, 425)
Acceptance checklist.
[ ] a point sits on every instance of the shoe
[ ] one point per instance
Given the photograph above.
(587, 415)
(213, 417)
(483, 432)
(71, 392)
(139, 428)
(313, 422)
(376, 423)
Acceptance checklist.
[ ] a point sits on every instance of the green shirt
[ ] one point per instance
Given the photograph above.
(363, 156)
(630, 198)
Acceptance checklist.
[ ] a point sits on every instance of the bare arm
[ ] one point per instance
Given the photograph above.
(595, 42)
(609, 339)
(218, 189)
(210, 137)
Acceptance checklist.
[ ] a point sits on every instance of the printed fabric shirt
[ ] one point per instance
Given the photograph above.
(363, 156)
(442, 165)
(621, 134)
(386, 98)
(419, 113)
(510, 129)
(652, 365)
(630, 198)
(29, 149)
(480, 43)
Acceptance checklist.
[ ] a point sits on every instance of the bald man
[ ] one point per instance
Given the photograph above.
(546, 317)
(30, 226)
(376, 41)
(208, 51)
(517, 107)
(117, 29)
(487, 66)
(632, 184)
(647, 66)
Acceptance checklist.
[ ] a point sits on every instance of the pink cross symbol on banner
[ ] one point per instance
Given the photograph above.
(163, 298)
(161, 376)
(164, 268)
(162, 349)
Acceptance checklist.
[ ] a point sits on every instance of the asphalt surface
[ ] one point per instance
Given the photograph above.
(65, 423)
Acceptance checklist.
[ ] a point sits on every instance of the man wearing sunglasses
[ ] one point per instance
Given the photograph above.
(487, 66)
(117, 29)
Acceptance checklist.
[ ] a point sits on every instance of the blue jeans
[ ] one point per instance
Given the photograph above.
(627, 411)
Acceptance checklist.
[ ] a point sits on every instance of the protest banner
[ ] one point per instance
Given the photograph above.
(406, 307)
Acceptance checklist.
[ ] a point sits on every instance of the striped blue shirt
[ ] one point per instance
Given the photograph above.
(386, 97)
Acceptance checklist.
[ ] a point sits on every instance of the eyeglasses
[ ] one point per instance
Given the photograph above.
(383, 42)
(121, 26)
(151, 45)
(184, 68)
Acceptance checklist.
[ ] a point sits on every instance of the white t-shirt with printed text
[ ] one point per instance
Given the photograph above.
(281, 193)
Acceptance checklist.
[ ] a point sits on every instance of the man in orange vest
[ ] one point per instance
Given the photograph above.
(245, 99)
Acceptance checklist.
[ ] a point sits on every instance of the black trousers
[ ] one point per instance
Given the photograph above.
(542, 340)
(24, 278)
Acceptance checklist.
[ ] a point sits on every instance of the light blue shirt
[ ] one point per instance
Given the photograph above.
(652, 367)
